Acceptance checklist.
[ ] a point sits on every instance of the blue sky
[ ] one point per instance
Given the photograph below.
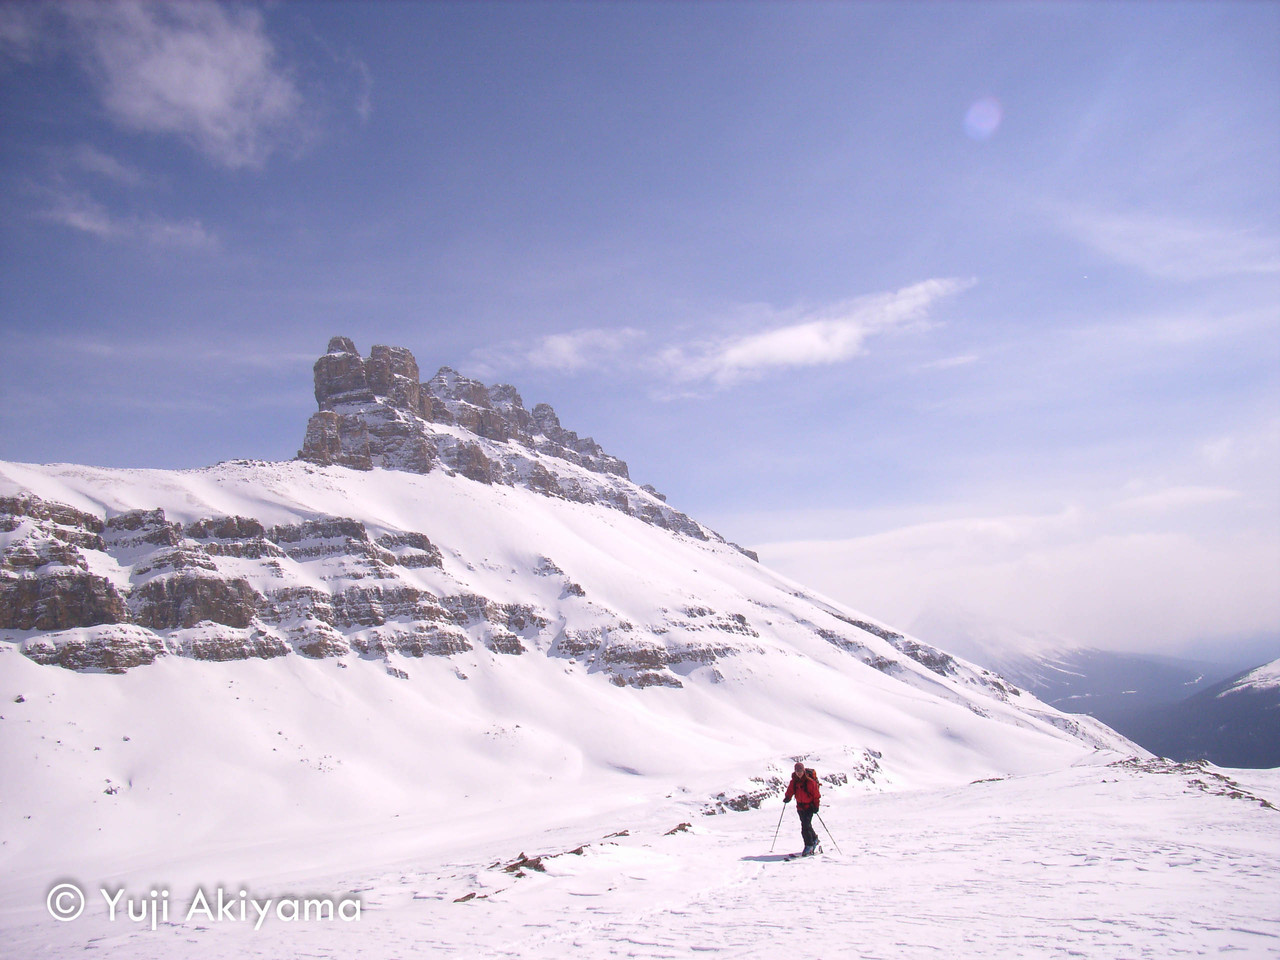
(953, 306)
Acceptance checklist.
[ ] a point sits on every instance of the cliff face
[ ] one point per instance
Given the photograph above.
(88, 593)
(375, 414)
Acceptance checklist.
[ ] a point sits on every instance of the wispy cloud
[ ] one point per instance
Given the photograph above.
(80, 212)
(781, 339)
(92, 160)
(805, 338)
(21, 26)
(197, 70)
(1172, 248)
(1178, 498)
(578, 351)
(364, 95)
(950, 363)
(178, 351)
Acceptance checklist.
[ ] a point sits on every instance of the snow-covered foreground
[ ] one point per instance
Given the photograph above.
(1102, 859)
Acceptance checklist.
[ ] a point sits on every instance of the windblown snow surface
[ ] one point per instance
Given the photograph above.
(483, 805)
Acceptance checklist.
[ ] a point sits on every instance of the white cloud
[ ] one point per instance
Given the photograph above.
(1159, 572)
(1172, 248)
(1175, 498)
(828, 335)
(577, 351)
(1259, 447)
(580, 349)
(196, 70)
(949, 363)
(793, 338)
(80, 212)
(1150, 591)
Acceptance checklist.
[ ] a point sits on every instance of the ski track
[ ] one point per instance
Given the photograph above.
(1090, 862)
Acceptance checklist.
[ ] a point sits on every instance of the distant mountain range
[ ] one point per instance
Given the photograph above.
(1179, 708)
(1234, 723)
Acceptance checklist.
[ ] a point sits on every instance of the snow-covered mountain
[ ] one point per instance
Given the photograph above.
(447, 611)
(1179, 708)
(1234, 723)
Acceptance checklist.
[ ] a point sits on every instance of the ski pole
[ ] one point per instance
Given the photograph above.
(779, 827)
(824, 827)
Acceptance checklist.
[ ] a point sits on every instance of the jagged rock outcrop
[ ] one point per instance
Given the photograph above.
(187, 599)
(376, 413)
(45, 582)
(113, 648)
(58, 600)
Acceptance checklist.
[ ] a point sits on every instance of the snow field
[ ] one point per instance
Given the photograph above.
(1093, 861)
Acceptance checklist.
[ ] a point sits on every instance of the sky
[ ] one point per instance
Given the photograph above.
(960, 313)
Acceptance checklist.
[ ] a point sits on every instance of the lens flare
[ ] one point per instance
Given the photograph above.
(983, 118)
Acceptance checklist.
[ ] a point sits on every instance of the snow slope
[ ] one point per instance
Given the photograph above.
(187, 771)
(1101, 859)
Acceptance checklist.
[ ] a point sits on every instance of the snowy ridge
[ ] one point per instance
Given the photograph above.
(1265, 677)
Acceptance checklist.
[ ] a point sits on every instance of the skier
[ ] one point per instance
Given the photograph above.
(804, 787)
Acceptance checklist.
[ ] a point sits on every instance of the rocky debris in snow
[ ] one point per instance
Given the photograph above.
(1199, 776)
(940, 663)
(931, 658)
(414, 640)
(507, 643)
(644, 678)
(723, 802)
(522, 863)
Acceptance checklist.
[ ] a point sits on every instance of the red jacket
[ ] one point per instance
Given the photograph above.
(804, 789)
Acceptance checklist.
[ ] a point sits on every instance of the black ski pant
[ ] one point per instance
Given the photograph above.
(806, 823)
